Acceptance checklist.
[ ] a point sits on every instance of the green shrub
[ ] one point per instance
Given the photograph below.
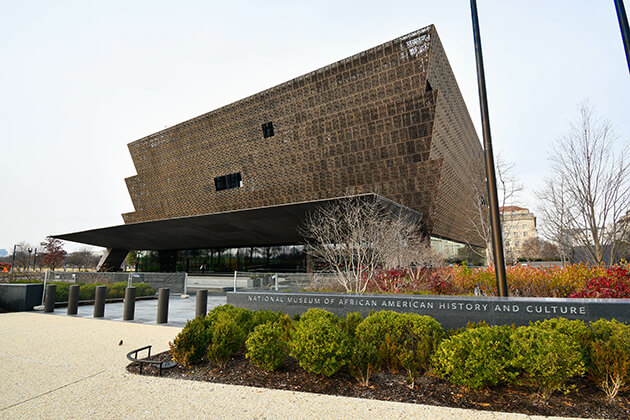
(469, 326)
(610, 356)
(267, 316)
(267, 346)
(579, 331)
(372, 345)
(242, 317)
(319, 342)
(545, 358)
(352, 320)
(416, 338)
(117, 290)
(87, 291)
(388, 322)
(475, 358)
(228, 337)
(61, 291)
(191, 344)
(143, 289)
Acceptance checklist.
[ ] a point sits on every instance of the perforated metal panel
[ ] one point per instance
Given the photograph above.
(367, 124)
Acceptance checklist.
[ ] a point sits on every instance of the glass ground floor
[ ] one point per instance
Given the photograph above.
(289, 258)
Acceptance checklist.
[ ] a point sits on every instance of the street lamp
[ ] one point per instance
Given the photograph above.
(13, 259)
(28, 262)
(497, 238)
(623, 26)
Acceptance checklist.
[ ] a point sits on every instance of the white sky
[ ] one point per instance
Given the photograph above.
(81, 79)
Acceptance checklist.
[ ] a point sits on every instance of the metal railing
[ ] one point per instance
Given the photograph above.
(287, 282)
(176, 282)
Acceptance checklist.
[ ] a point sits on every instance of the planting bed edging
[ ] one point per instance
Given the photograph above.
(450, 311)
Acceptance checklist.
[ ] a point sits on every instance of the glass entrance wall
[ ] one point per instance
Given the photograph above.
(290, 258)
(457, 252)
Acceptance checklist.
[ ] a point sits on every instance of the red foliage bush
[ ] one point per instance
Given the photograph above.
(616, 284)
(577, 280)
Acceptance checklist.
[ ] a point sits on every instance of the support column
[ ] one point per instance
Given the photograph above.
(112, 259)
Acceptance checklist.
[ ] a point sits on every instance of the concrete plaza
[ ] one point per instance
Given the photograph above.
(74, 367)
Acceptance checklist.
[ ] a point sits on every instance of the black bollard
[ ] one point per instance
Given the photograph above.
(162, 312)
(73, 299)
(49, 301)
(99, 301)
(130, 303)
(202, 303)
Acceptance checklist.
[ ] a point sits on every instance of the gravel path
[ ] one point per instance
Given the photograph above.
(67, 367)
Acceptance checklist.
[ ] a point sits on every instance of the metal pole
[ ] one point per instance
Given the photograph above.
(45, 281)
(162, 312)
(497, 238)
(235, 281)
(623, 25)
(73, 299)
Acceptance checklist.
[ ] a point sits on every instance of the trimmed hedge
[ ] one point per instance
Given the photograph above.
(267, 346)
(545, 358)
(191, 344)
(609, 358)
(87, 291)
(476, 358)
(546, 355)
(319, 342)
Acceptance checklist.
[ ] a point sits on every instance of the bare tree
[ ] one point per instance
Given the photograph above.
(356, 237)
(552, 212)
(22, 256)
(588, 190)
(509, 189)
(84, 258)
(539, 249)
(531, 248)
(549, 251)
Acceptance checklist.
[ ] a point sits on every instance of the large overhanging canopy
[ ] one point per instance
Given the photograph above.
(265, 226)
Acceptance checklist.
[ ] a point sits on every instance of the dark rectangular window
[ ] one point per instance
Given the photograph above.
(267, 129)
(226, 182)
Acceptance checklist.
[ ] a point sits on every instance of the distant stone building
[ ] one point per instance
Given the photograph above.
(519, 224)
(623, 228)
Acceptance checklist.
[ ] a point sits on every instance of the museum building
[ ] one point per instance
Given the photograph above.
(228, 189)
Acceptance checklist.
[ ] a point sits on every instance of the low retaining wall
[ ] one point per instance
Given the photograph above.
(450, 311)
(21, 297)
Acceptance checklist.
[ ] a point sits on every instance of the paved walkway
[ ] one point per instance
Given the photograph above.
(179, 310)
(71, 367)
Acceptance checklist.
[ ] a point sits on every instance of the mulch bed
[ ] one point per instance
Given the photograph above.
(584, 401)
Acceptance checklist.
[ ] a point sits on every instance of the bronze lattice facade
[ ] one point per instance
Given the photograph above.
(390, 120)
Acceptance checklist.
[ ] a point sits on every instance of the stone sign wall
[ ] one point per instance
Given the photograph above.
(450, 311)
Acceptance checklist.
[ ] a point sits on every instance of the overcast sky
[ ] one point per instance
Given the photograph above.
(81, 79)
